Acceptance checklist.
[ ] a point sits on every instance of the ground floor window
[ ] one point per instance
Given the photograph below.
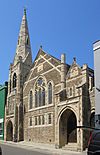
(49, 118)
(41, 119)
(30, 121)
(35, 120)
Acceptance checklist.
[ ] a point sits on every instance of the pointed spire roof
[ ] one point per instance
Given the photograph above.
(23, 45)
(25, 11)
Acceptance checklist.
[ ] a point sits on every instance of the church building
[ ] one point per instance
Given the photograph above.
(48, 98)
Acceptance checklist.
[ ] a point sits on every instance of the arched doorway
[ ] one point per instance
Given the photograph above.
(9, 131)
(67, 128)
(71, 128)
(92, 120)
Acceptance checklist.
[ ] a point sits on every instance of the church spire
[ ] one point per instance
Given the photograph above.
(23, 45)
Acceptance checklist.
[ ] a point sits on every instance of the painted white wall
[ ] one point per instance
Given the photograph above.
(1, 120)
(96, 48)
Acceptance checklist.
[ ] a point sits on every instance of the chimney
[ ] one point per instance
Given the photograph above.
(63, 71)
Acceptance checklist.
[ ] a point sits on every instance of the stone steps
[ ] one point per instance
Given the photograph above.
(71, 147)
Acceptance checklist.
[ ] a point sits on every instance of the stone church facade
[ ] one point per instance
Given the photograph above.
(48, 99)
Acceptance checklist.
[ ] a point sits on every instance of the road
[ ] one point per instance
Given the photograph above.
(9, 150)
(13, 150)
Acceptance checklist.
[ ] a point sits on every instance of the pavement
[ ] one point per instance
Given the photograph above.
(41, 147)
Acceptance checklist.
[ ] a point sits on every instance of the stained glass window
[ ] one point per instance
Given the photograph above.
(31, 100)
(43, 96)
(40, 93)
(49, 93)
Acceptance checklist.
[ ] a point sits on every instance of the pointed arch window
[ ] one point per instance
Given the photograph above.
(31, 100)
(43, 96)
(36, 98)
(50, 93)
(14, 80)
(71, 92)
(39, 97)
(10, 86)
(40, 93)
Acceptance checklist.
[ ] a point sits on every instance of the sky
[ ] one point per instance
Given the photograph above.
(60, 26)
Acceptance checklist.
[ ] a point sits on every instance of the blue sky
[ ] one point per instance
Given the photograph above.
(60, 26)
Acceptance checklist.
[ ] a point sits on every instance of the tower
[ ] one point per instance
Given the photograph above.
(17, 75)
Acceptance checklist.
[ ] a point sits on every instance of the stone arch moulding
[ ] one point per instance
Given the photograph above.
(64, 109)
(7, 121)
(92, 118)
(92, 110)
(51, 81)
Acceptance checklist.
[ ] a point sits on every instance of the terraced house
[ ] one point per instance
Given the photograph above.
(48, 98)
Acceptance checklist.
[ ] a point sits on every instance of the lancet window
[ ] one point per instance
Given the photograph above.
(10, 86)
(30, 100)
(40, 93)
(50, 93)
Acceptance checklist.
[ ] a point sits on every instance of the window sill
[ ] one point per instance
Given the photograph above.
(42, 107)
(30, 126)
(10, 115)
(38, 126)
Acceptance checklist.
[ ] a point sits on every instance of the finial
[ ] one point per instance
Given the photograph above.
(24, 11)
(41, 46)
(63, 58)
(74, 59)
